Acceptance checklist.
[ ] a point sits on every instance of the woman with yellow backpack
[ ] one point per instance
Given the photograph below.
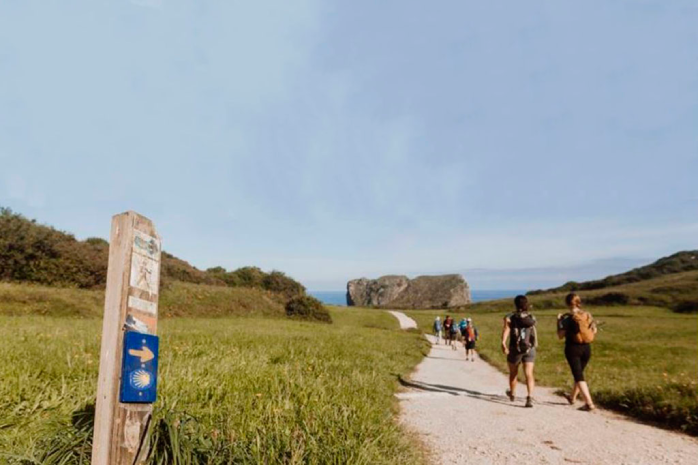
(578, 328)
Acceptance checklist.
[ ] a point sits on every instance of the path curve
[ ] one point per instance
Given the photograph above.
(460, 411)
(405, 321)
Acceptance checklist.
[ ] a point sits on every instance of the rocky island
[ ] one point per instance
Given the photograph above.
(444, 291)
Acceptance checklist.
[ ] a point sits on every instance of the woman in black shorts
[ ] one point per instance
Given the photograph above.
(577, 353)
(519, 343)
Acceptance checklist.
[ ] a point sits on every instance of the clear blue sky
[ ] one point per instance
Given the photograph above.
(339, 139)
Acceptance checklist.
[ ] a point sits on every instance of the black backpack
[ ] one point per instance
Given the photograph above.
(522, 332)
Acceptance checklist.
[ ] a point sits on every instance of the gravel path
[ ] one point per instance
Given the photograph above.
(405, 321)
(460, 410)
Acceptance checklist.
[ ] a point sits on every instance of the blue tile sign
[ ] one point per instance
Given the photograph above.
(139, 369)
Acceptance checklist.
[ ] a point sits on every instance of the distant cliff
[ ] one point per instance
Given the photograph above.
(443, 291)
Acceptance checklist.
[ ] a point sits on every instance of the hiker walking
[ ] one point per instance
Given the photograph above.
(453, 336)
(520, 330)
(470, 336)
(462, 325)
(578, 328)
(437, 329)
(448, 324)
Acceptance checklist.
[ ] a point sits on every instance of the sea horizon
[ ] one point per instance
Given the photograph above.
(339, 298)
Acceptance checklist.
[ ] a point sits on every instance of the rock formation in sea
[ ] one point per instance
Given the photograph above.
(445, 291)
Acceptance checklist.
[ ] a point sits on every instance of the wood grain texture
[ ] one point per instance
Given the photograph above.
(120, 428)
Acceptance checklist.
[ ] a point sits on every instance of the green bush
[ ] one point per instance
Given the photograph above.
(252, 276)
(35, 253)
(176, 269)
(686, 307)
(307, 308)
(610, 298)
(278, 282)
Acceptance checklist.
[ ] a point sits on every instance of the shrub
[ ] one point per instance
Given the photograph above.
(176, 269)
(276, 281)
(251, 276)
(686, 307)
(35, 253)
(307, 308)
(610, 298)
(247, 276)
(41, 254)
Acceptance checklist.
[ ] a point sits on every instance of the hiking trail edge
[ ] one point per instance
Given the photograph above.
(460, 411)
(405, 321)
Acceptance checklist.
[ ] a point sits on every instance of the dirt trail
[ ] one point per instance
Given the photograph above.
(460, 410)
(405, 321)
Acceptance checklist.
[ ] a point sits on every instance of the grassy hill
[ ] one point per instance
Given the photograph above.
(676, 263)
(670, 282)
(178, 299)
(678, 292)
(47, 271)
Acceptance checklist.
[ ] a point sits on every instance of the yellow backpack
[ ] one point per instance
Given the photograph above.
(585, 322)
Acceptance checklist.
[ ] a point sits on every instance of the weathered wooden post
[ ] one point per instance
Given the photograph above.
(128, 358)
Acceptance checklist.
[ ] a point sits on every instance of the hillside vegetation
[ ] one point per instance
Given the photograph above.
(670, 282)
(176, 300)
(678, 292)
(676, 263)
(35, 253)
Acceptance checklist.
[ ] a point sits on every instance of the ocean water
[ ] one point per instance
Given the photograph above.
(340, 297)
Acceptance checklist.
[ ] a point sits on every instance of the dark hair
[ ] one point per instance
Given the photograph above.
(521, 303)
(573, 299)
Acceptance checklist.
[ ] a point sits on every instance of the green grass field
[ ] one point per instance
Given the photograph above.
(644, 359)
(242, 390)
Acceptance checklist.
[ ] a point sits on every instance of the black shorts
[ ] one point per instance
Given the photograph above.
(470, 345)
(516, 358)
(578, 356)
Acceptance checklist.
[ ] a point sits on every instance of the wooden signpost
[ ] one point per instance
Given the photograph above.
(127, 383)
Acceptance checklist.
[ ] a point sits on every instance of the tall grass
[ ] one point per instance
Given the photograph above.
(177, 299)
(643, 360)
(231, 390)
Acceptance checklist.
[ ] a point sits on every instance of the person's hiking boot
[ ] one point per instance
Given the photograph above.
(529, 402)
(587, 408)
(510, 395)
(568, 398)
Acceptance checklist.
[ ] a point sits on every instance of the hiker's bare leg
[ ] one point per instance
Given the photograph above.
(513, 373)
(530, 381)
(575, 393)
(585, 393)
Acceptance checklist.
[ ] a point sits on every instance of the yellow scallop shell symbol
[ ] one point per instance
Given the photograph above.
(141, 379)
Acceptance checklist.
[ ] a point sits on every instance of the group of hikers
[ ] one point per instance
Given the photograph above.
(451, 332)
(520, 342)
